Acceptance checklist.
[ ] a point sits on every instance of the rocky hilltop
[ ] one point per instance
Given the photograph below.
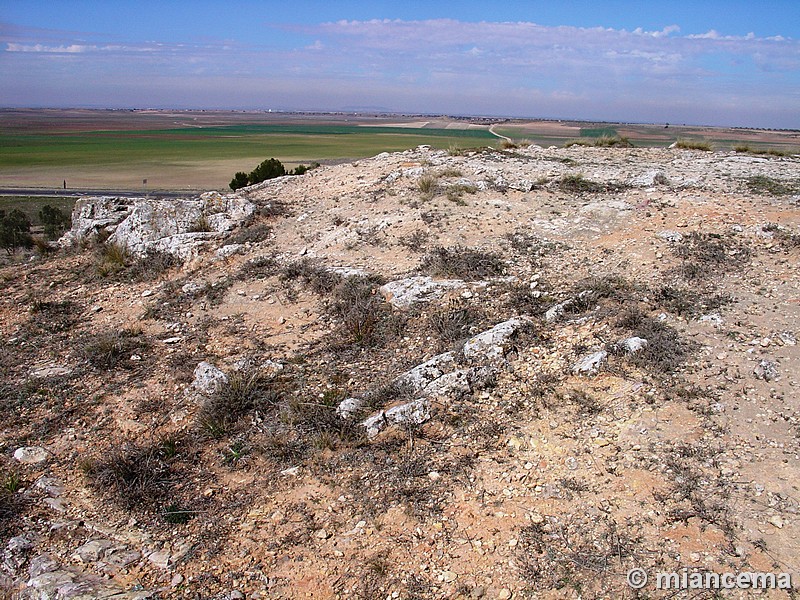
(512, 373)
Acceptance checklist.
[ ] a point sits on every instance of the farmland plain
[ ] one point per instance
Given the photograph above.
(116, 150)
(160, 150)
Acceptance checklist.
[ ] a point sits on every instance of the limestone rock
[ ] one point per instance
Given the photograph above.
(766, 370)
(95, 215)
(348, 406)
(208, 378)
(650, 178)
(450, 384)
(93, 550)
(30, 455)
(633, 344)
(418, 378)
(180, 227)
(415, 412)
(405, 293)
(490, 345)
(554, 313)
(590, 364)
(670, 236)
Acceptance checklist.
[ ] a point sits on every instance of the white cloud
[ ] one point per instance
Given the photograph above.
(73, 48)
(445, 65)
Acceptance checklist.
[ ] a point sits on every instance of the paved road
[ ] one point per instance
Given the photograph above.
(61, 193)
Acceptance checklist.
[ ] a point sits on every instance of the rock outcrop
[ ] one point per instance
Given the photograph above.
(180, 227)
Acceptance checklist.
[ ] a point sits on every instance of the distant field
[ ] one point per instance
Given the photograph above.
(556, 133)
(195, 157)
(201, 150)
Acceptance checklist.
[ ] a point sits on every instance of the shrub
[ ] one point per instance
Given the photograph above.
(111, 259)
(454, 322)
(769, 151)
(15, 230)
(664, 351)
(604, 141)
(54, 316)
(259, 267)
(269, 169)
(114, 260)
(54, 220)
(245, 391)
(761, 184)
(302, 169)
(152, 265)
(10, 501)
(464, 263)
(252, 234)
(706, 254)
(365, 319)
(688, 302)
(201, 224)
(312, 274)
(577, 183)
(415, 241)
(427, 184)
(112, 348)
(239, 180)
(530, 245)
(132, 476)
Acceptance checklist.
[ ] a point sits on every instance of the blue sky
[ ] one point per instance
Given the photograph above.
(720, 63)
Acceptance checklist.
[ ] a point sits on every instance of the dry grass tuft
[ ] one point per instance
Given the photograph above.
(470, 264)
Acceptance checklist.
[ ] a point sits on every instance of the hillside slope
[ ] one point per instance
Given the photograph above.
(499, 374)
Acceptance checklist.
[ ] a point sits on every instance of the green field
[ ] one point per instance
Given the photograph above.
(198, 157)
(286, 142)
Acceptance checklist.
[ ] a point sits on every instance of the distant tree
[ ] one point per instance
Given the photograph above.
(15, 230)
(269, 169)
(239, 180)
(54, 221)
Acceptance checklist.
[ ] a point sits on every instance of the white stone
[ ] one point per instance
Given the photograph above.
(590, 364)
(30, 455)
(633, 344)
(415, 412)
(208, 378)
(142, 225)
(405, 293)
(490, 345)
(670, 236)
(713, 319)
(418, 378)
(348, 406)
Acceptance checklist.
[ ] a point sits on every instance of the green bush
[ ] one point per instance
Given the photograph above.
(269, 169)
(15, 230)
(54, 220)
(239, 180)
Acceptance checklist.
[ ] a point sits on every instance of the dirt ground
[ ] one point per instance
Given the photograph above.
(548, 482)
